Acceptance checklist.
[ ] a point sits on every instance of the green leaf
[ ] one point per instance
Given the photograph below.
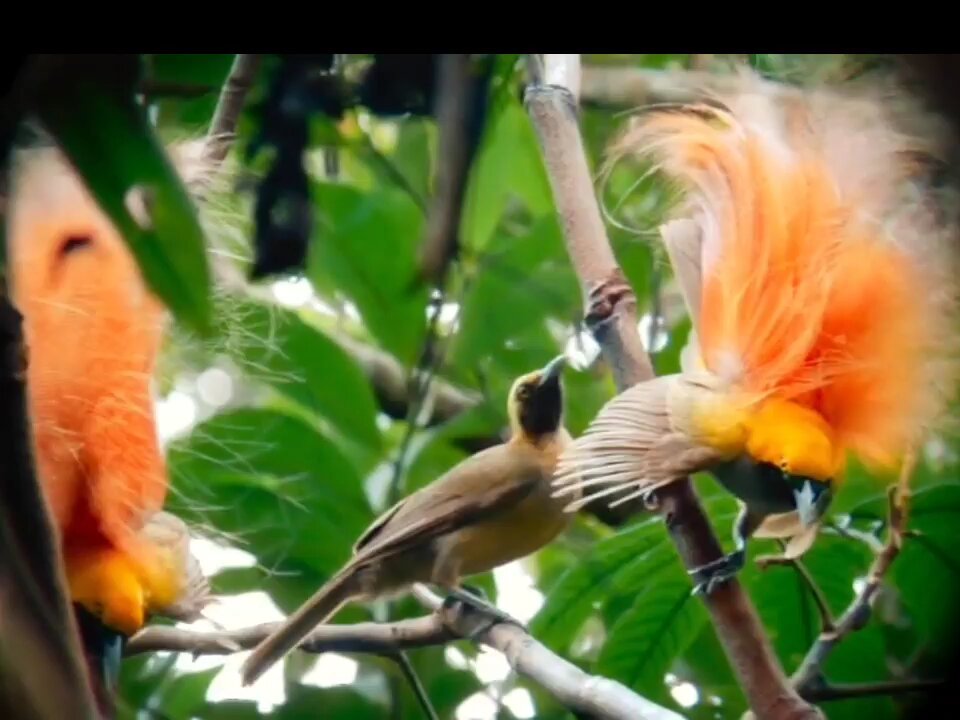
(574, 597)
(508, 164)
(642, 645)
(927, 572)
(413, 154)
(705, 664)
(273, 485)
(186, 695)
(366, 248)
(276, 346)
(105, 135)
(783, 599)
(860, 658)
(305, 703)
(202, 74)
(522, 281)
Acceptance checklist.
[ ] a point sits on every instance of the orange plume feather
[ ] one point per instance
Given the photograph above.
(93, 332)
(828, 278)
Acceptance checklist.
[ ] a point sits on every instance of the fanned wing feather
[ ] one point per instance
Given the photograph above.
(630, 448)
(180, 589)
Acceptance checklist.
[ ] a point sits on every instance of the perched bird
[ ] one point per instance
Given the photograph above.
(820, 279)
(93, 332)
(490, 509)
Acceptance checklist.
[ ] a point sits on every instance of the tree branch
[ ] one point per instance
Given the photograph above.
(635, 87)
(456, 113)
(388, 378)
(375, 638)
(826, 693)
(857, 614)
(222, 132)
(596, 696)
(611, 314)
(602, 698)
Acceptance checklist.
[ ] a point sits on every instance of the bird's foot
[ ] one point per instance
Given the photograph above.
(604, 299)
(489, 613)
(708, 577)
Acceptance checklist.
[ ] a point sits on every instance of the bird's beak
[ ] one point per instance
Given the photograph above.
(812, 502)
(553, 369)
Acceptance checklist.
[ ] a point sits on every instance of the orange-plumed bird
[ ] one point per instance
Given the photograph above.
(93, 332)
(821, 281)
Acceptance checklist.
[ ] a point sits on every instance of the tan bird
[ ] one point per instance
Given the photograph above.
(492, 508)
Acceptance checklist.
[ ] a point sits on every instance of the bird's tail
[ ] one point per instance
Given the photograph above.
(342, 587)
(829, 272)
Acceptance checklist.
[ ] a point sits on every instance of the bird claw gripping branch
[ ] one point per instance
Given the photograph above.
(822, 286)
(604, 299)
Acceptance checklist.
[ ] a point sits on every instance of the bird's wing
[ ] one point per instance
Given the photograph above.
(630, 448)
(478, 487)
(180, 589)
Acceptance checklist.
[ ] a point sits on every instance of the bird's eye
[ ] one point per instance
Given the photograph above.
(74, 243)
(524, 392)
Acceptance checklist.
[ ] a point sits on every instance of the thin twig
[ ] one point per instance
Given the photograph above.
(858, 612)
(223, 126)
(406, 667)
(848, 691)
(611, 315)
(457, 110)
(827, 622)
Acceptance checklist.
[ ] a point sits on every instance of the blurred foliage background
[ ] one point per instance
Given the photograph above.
(290, 428)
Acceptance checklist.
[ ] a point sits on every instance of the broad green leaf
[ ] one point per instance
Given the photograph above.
(584, 586)
(705, 664)
(927, 571)
(305, 703)
(860, 658)
(446, 686)
(200, 75)
(186, 695)
(106, 137)
(275, 346)
(520, 282)
(366, 248)
(413, 156)
(783, 599)
(273, 485)
(234, 710)
(642, 645)
(508, 164)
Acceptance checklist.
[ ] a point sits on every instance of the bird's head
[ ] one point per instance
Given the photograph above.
(797, 441)
(535, 404)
